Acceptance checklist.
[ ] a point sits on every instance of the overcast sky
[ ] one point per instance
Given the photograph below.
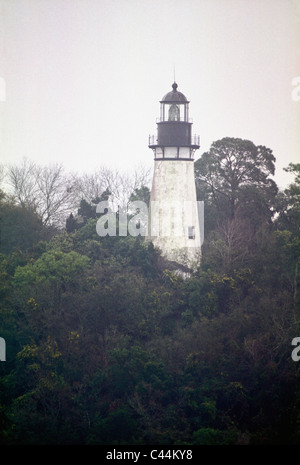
(81, 80)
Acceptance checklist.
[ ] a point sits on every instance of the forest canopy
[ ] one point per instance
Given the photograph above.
(107, 344)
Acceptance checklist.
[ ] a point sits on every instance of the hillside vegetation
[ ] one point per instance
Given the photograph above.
(107, 345)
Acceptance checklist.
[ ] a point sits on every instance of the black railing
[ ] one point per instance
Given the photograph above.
(152, 139)
(195, 139)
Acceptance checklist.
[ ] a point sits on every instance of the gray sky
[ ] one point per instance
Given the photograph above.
(83, 78)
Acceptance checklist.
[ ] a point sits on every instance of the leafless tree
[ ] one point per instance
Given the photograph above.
(120, 185)
(22, 181)
(54, 194)
(234, 240)
(89, 186)
(46, 190)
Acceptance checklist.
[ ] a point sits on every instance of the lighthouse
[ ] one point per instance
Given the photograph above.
(175, 223)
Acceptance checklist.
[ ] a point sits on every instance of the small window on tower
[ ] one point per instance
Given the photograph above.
(191, 231)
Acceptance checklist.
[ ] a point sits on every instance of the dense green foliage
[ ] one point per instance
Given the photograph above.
(107, 345)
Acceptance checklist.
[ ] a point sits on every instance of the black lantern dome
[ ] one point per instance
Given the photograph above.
(174, 96)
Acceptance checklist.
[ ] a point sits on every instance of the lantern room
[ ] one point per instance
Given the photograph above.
(174, 106)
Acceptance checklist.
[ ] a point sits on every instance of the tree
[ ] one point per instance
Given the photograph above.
(288, 202)
(120, 185)
(142, 193)
(46, 190)
(229, 245)
(233, 171)
(90, 186)
(20, 227)
(56, 194)
(23, 182)
(71, 224)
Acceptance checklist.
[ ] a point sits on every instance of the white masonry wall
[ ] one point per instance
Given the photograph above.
(174, 211)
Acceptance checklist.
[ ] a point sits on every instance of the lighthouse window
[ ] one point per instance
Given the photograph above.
(174, 113)
(191, 232)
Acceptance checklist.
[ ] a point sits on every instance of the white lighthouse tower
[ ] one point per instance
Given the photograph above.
(175, 219)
